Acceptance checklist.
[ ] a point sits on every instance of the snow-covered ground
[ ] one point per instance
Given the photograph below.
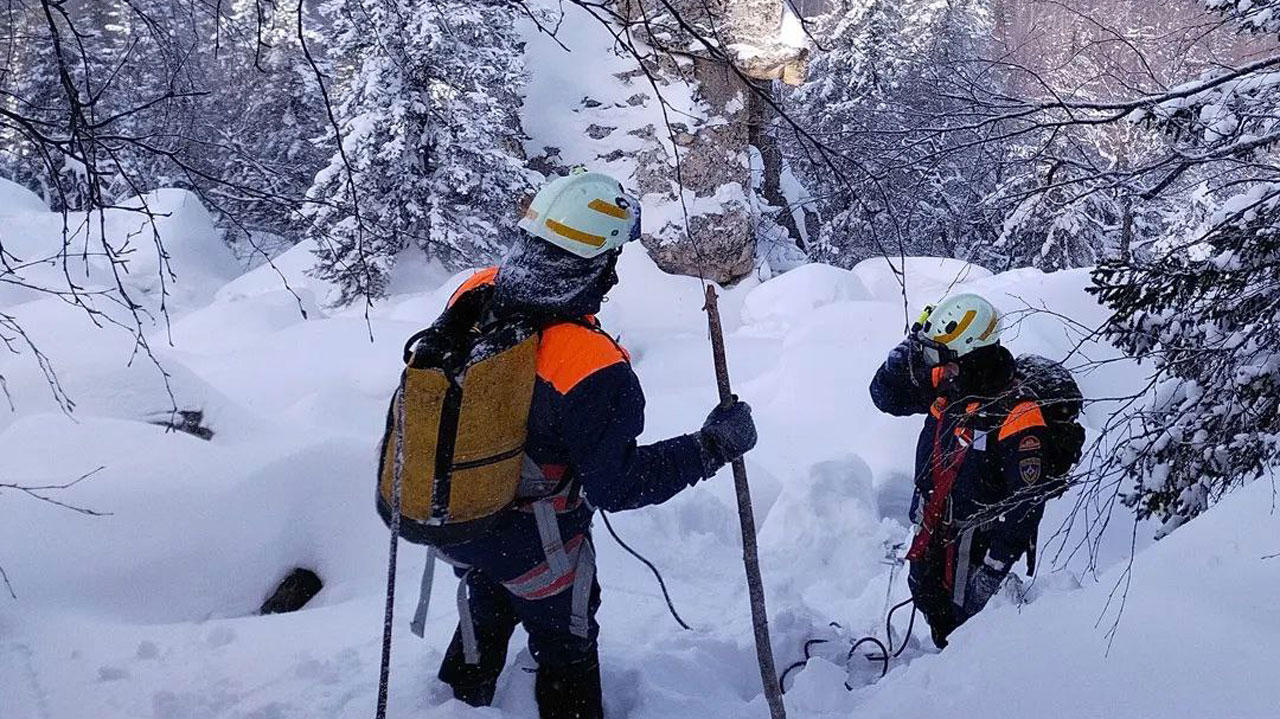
(150, 610)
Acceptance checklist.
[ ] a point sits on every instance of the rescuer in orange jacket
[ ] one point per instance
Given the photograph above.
(980, 446)
(536, 567)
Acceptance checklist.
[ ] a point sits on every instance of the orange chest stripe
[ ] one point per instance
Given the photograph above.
(570, 353)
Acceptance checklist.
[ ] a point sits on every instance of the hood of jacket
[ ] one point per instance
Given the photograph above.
(985, 374)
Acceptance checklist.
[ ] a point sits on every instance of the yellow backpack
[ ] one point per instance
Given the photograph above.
(454, 441)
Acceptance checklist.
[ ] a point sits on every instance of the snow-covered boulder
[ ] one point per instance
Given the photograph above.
(230, 324)
(194, 264)
(928, 277)
(198, 261)
(102, 372)
(768, 41)
(15, 198)
(287, 269)
(794, 294)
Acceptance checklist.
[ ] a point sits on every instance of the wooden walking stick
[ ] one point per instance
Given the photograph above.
(750, 556)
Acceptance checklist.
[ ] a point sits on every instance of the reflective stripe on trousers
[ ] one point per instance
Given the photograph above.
(419, 624)
(579, 620)
(568, 565)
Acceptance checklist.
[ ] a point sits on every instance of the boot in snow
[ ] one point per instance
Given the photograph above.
(570, 692)
(475, 684)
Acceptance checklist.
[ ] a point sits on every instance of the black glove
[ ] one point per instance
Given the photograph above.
(984, 582)
(912, 352)
(728, 433)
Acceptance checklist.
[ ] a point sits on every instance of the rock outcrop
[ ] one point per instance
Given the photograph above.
(293, 592)
(696, 174)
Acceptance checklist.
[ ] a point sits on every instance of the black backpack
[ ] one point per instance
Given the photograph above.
(1051, 386)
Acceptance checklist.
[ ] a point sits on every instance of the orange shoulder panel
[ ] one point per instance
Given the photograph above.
(570, 353)
(1026, 415)
(479, 279)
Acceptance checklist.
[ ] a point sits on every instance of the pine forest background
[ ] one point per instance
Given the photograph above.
(1134, 137)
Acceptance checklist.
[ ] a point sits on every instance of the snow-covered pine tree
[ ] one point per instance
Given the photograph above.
(209, 101)
(1203, 309)
(91, 54)
(30, 81)
(1047, 225)
(1065, 196)
(430, 155)
(885, 180)
(261, 128)
(1070, 197)
(848, 83)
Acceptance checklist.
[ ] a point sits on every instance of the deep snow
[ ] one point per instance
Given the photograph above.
(149, 612)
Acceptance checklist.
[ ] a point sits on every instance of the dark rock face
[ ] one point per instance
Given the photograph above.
(293, 593)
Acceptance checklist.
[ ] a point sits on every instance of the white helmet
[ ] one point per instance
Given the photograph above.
(960, 324)
(585, 213)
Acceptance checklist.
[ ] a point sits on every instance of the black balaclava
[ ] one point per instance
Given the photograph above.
(540, 280)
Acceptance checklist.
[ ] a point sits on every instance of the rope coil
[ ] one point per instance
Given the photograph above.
(887, 652)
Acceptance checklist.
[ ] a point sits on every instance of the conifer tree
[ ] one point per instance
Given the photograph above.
(1202, 310)
(430, 153)
(884, 181)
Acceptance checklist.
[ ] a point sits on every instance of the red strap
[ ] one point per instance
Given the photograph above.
(944, 470)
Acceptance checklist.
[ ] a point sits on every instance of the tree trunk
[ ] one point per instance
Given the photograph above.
(759, 118)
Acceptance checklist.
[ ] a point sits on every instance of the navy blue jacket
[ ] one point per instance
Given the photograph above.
(587, 411)
(1001, 438)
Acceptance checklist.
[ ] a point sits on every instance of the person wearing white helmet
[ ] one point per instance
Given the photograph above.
(536, 567)
(585, 213)
(982, 443)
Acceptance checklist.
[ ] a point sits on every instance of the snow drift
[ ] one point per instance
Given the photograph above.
(149, 610)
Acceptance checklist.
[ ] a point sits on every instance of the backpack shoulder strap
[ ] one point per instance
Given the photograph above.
(466, 310)
(483, 278)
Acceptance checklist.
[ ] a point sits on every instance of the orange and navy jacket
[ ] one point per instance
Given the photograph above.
(998, 446)
(587, 411)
